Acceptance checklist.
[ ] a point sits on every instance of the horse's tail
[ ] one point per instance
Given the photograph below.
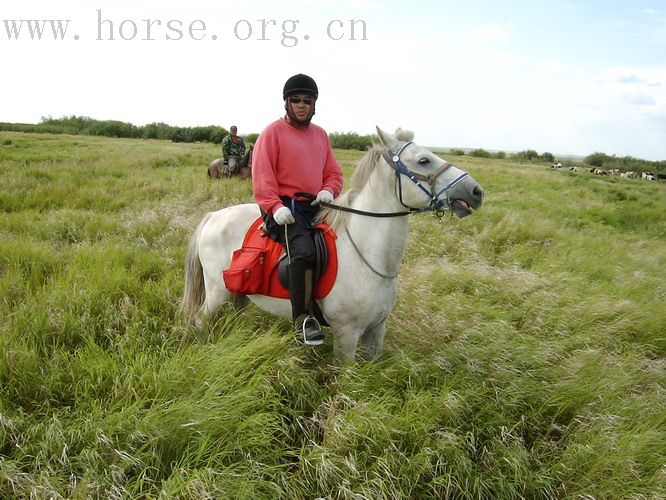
(194, 294)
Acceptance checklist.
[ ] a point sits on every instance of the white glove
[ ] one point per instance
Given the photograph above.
(283, 216)
(323, 195)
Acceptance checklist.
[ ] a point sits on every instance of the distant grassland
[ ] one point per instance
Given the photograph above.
(525, 357)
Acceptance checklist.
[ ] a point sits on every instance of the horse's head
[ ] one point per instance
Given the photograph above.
(426, 182)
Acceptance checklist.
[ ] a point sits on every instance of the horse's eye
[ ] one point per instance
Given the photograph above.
(424, 161)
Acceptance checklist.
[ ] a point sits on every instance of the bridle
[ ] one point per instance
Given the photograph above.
(437, 202)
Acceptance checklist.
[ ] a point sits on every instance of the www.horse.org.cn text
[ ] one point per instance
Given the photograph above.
(286, 32)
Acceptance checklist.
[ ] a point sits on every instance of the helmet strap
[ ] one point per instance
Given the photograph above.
(292, 116)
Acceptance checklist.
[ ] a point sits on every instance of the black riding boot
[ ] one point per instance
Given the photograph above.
(300, 290)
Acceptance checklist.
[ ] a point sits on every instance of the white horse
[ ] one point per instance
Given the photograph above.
(393, 179)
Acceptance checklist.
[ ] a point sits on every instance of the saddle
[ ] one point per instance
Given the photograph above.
(260, 265)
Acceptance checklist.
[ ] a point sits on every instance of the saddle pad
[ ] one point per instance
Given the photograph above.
(256, 238)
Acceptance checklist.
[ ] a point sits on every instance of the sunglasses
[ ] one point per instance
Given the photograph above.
(297, 100)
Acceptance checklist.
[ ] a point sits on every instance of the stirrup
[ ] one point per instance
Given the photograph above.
(311, 331)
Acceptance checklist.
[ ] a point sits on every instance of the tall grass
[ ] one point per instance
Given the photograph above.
(525, 357)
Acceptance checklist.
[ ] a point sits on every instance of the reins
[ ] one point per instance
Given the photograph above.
(378, 273)
(310, 196)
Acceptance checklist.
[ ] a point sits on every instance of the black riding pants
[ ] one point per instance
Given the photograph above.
(299, 242)
(300, 235)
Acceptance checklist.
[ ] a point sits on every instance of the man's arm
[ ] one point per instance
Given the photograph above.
(264, 181)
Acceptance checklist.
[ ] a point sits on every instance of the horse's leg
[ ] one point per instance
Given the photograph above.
(216, 296)
(345, 341)
(243, 160)
(232, 167)
(373, 341)
(214, 169)
(245, 173)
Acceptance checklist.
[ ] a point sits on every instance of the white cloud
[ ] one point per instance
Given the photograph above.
(363, 5)
(554, 70)
(636, 85)
(490, 33)
(640, 99)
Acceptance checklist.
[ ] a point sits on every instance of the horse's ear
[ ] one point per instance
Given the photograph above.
(387, 140)
(404, 135)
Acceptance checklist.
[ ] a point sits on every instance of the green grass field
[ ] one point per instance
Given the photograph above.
(526, 357)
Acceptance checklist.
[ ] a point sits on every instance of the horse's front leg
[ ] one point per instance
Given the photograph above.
(373, 341)
(345, 341)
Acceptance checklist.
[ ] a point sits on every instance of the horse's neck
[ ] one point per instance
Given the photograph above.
(382, 240)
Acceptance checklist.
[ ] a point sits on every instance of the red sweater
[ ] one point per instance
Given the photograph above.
(287, 159)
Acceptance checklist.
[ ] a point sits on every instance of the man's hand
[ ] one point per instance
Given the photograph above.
(323, 196)
(283, 216)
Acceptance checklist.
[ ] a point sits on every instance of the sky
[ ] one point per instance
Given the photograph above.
(567, 77)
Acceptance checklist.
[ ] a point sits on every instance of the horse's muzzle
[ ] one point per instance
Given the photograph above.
(466, 199)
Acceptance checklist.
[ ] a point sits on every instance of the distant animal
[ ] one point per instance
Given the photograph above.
(628, 175)
(614, 171)
(647, 176)
(661, 177)
(556, 165)
(598, 171)
(216, 167)
(393, 179)
(573, 169)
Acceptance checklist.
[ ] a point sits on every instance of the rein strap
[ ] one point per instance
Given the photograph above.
(310, 196)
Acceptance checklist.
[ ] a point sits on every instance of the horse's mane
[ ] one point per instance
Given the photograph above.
(337, 219)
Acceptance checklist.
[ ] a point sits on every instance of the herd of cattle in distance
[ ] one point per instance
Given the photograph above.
(646, 176)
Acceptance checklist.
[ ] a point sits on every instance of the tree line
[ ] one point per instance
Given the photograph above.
(625, 163)
(600, 160)
(83, 125)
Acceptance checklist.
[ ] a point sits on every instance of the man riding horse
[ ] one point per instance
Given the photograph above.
(233, 149)
(293, 155)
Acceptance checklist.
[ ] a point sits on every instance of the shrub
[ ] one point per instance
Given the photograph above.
(480, 153)
(350, 140)
(597, 159)
(251, 138)
(549, 157)
(527, 155)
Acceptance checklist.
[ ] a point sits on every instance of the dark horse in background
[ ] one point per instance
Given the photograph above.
(244, 170)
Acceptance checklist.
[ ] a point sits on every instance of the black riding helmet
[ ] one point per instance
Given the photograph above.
(300, 84)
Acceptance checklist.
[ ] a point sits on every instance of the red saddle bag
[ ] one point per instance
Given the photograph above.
(245, 274)
(254, 266)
